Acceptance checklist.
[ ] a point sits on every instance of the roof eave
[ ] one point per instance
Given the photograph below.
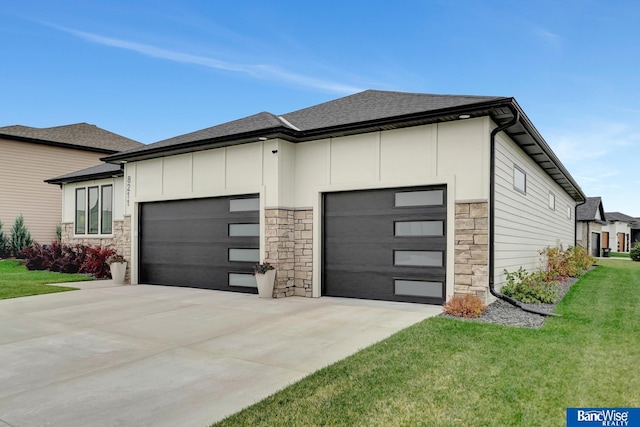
(204, 144)
(56, 144)
(88, 177)
(531, 139)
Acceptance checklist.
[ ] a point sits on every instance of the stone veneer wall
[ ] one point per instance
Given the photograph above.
(472, 249)
(288, 241)
(121, 240)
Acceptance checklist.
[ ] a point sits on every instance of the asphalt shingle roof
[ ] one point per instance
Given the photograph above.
(373, 105)
(81, 135)
(618, 216)
(588, 210)
(261, 121)
(101, 170)
(362, 107)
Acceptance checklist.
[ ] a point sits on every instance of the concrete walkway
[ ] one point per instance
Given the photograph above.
(164, 356)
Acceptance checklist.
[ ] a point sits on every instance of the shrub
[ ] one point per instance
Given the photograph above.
(530, 288)
(573, 262)
(635, 252)
(95, 261)
(69, 259)
(467, 306)
(20, 237)
(4, 243)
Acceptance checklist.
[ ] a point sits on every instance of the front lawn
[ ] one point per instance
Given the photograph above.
(17, 281)
(446, 372)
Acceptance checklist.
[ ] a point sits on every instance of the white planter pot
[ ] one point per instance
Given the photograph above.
(265, 283)
(118, 271)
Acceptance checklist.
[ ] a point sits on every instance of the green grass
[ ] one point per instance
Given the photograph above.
(17, 281)
(619, 255)
(445, 372)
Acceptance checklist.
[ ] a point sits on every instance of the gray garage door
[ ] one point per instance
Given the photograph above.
(202, 243)
(385, 244)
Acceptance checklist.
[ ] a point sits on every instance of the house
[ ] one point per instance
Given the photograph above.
(30, 155)
(378, 195)
(624, 229)
(591, 226)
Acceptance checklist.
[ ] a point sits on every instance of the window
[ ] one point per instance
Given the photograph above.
(247, 280)
(244, 255)
(242, 205)
(420, 198)
(244, 230)
(94, 210)
(552, 201)
(419, 228)
(106, 220)
(81, 206)
(519, 180)
(418, 258)
(569, 212)
(419, 288)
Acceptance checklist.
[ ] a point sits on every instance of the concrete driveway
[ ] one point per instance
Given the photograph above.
(164, 356)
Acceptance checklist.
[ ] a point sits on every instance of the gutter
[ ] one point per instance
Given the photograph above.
(492, 215)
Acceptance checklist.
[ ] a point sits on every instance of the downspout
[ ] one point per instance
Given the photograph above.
(575, 226)
(492, 215)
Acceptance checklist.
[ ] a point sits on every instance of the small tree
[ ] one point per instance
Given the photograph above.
(635, 252)
(20, 236)
(4, 243)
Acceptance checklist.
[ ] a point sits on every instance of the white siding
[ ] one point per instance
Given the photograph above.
(524, 223)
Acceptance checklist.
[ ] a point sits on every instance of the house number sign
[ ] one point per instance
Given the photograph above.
(128, 189)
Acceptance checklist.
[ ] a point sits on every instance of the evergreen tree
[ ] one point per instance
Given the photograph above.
(20, 236)
(4, 243)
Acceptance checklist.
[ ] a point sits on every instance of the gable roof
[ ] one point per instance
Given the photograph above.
(587, 211)
(81, 136)
(367, 111)
(618, 216)
(103, 170)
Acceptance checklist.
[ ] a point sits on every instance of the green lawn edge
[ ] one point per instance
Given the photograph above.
(445, 372)
(16, 281)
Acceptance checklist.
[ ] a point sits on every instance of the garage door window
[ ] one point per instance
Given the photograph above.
(243, 205)
(243, 280)
(418, 258)
(244, 230)
(419, 228)
(244, 255)
(418, 288)
(420, 198)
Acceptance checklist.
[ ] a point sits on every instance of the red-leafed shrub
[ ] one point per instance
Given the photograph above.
(95, 261)
(69, 258)
(467, 306)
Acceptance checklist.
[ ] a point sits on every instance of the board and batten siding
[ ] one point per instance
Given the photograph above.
(23, 168)
(524, 223)
(294, 176)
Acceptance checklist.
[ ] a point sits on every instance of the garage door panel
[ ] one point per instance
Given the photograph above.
(187, 243)
(365, 255)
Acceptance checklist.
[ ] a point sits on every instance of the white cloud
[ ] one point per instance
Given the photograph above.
(263, 71)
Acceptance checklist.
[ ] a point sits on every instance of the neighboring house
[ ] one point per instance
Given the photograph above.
(378, 195)
(624, 230)
(591, 230)
(29, 155)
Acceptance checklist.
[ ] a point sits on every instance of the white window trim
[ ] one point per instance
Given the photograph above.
(524, 174)
(86, 234)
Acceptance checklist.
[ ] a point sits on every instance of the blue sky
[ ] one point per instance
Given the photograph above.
(151, 70)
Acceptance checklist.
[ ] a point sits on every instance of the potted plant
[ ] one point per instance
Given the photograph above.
(118, 266)
(265, 277)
